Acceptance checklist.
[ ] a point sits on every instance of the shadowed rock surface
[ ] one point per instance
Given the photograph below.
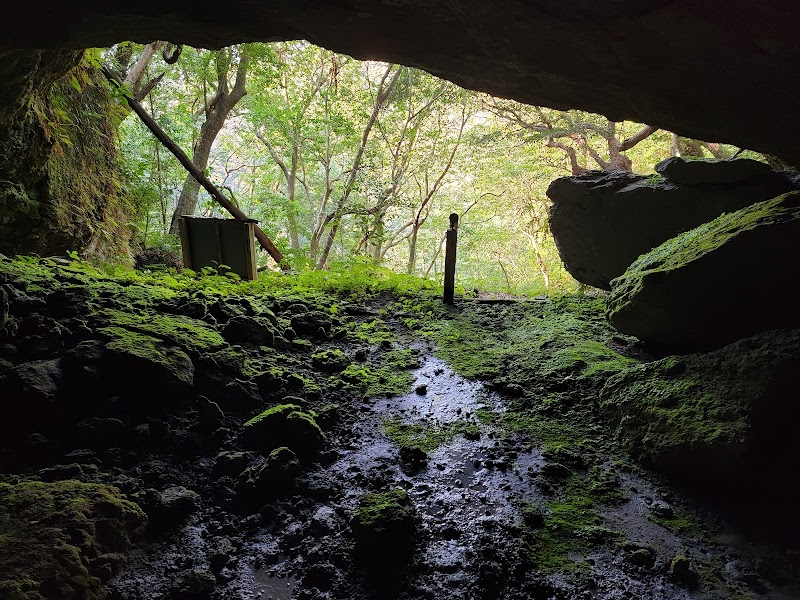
(687, 68)
(602, 221)
(705, 415)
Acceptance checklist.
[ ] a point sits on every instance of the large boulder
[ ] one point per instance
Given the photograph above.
(63, 540)
(383, 526)
(602, 221)
(728, 279)
(706, 415)
(706, 170)
(284, 425)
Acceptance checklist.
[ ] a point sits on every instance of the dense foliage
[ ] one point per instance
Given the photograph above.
(340, 158)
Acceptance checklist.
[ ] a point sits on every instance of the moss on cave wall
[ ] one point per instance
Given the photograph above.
(61, 186)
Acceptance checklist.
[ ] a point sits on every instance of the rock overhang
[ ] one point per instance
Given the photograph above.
(709, 70)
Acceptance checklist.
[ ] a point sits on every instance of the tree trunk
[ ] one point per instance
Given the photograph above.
(217, 111)
(412, 248)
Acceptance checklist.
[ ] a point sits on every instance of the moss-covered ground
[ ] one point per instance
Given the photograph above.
(315, 348)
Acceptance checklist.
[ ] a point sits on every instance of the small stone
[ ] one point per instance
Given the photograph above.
(681, 572)
(643, 557)
(662, 509)
(193, 584)
(421, 389)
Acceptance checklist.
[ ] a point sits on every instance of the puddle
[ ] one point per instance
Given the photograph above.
(271, 587)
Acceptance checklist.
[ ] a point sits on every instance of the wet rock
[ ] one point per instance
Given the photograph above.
(284, 425)
(643, 557)
(330, 361)
(702, 170)
(412, 459)
(680, 571)
(384, 527)
(602, 221)
(687, 294)
(325, 520)
(175, 504)
(707, 414)
(193, 584)
(662, 510)
(219, 551)
(271, 479)
(249, 330)
(211, 415)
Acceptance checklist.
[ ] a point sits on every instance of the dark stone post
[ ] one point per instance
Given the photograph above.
(450, 260)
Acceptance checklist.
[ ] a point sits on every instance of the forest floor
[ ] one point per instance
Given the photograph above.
(343, 436)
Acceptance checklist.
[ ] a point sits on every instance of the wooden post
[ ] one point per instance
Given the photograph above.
(450, 260)
(176, 151)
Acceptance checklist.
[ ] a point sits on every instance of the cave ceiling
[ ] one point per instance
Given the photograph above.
(715, 70)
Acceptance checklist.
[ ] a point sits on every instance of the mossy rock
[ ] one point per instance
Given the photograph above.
(250, 330)
(703, 414)
(62, 540)
(692, 292)
(142, 359)
(330, 361)
(191, 335)
(284, 425)
(383, 526)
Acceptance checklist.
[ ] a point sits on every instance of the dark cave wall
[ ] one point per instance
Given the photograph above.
(60, 181)
(716, 70)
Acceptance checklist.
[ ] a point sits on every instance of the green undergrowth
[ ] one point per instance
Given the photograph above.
(426, 437)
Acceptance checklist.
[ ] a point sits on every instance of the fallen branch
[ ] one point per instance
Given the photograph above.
(162, 137)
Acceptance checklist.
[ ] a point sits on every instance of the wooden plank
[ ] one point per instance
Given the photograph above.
(450, 260)
(252, 266)
(176, 151)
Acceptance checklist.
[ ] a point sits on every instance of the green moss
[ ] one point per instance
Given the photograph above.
(426, 437)
(374, 509)
(282, 410)
(693, 414)
(60, 540)
(190, 334)
(571, 528)
(697, 243)
(150, 354)
(391, 377)
(374, 332)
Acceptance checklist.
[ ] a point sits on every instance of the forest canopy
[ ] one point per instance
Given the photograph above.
(341, 159)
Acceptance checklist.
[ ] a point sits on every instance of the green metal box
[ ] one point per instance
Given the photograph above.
(210, 242)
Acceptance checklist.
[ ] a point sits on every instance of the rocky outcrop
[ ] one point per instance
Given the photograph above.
(728, 279)
(602, 221)
(598, 56)
(702, 415)
(60, 180)
(703, 170)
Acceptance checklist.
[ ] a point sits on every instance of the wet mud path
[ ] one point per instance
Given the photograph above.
(473, 495)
